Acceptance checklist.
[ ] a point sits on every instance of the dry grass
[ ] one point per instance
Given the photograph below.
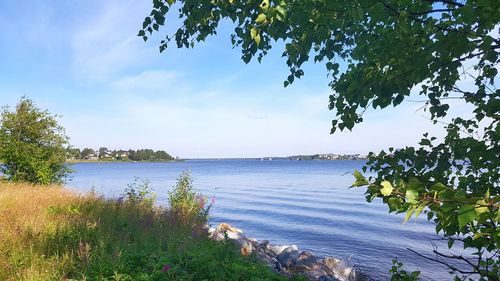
(24, 206)
(24, 218)
(50, 233)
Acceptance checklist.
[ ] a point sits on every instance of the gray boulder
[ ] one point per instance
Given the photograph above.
(278, 249)
(288, 256)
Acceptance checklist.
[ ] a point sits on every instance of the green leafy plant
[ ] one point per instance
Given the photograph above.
(32, 145)
(398, 274)
(187, 206)
(139, 192)
(378, 53)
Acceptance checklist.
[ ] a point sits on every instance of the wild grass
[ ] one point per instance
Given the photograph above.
(50, 233)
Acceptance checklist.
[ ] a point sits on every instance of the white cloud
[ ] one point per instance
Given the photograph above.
(150, 81)
(106, 43)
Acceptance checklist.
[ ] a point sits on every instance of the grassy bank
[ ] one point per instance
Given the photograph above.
(50, 233)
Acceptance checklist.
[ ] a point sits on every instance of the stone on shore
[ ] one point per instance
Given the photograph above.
(288, 256)
(288, 260)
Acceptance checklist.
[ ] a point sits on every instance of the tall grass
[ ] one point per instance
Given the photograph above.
(50, 233)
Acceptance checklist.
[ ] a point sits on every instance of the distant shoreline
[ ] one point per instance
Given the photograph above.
(77, 161)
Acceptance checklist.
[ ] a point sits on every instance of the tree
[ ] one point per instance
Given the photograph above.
(32, 145)
(102, 152)
(73, 153)
(390, 50)
(87, 152)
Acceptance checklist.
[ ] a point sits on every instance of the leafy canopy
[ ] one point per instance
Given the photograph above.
(389, 50)
(32, 145)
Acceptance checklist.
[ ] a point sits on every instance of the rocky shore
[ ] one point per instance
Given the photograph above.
(288, 260)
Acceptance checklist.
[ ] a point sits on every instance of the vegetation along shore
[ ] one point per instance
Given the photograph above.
(50, 233)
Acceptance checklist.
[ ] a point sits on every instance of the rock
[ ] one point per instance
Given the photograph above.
(306, 260)
(278, 249)
(316, 271)
(287, 260)
(236, 235)
(271, 261)
(325, 278)
(288, 256)
(264, 245)
(331, 264)
(246, 247)
(344, 270)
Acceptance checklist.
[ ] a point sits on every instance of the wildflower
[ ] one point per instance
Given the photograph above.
(166, 268)
(213, 200)
(201, 200)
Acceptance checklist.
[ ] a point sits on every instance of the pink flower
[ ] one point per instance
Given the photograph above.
(213, 200)
(166, 268)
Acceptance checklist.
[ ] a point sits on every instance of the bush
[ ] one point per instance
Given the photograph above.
(32, 145)
(188, 207)
(139, 193)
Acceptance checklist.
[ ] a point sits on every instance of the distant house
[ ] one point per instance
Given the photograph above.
(91, 156)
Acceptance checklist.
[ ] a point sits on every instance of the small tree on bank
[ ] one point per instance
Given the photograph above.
(32, 145)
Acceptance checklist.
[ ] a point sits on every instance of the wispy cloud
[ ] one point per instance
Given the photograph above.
(106, 44)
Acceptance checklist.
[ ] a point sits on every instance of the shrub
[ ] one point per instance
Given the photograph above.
(32, 145)
(139, 192)
(187, 206)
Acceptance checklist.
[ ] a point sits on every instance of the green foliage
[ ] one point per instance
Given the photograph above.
(139, 192)
(32, 145)
(86, 152)
(460, 214)
(390, 49)
(149, 155)
(90, 238)
(187, 206)
(398, 274)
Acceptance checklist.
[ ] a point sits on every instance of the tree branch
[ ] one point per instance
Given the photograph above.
(442, 262)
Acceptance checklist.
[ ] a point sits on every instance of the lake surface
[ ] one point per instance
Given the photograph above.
(306, 203)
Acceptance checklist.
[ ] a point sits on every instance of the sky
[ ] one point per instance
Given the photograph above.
(82, 60)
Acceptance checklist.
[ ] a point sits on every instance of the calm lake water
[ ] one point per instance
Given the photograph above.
(306, 203)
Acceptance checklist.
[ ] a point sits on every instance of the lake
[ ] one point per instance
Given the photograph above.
(307, 203)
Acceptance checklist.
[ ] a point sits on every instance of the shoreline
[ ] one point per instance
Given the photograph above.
(288, 260)
(120, 161)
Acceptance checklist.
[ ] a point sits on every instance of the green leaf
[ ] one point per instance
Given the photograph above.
(438, 187)
(466, 214)
(261, 18)
(257, 39)
(409, 213)
(264, 5)
(360, 179)
(394, 203)
(413, 184)
(481, 207)
(411, 196)
(387, 188)
(450, 243)
(419, 210)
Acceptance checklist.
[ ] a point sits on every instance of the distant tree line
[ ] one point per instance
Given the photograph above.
(104, 153)
(329, 156)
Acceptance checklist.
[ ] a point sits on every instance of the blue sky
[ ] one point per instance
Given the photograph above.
(83, 60)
